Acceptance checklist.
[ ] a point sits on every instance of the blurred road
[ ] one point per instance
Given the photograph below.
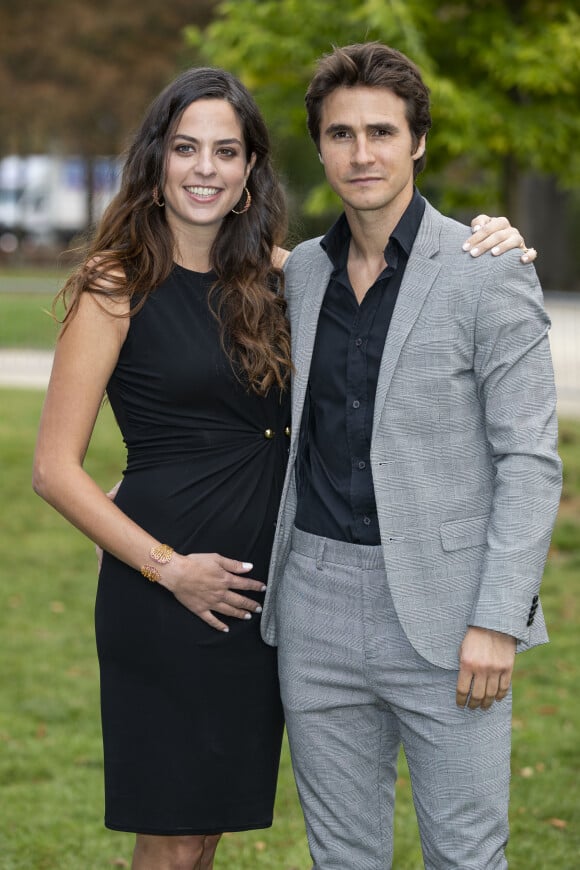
(31, 368)
(564, 311)
(25, 368)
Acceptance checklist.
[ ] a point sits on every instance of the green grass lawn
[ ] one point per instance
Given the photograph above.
(25, 321)
(25, 300)
(50, 746)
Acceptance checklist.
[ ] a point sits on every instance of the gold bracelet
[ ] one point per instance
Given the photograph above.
(151, 573)
(160, 553)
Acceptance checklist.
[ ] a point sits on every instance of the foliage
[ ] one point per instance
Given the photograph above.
(504, 76)
(50, 747)
(77, 76)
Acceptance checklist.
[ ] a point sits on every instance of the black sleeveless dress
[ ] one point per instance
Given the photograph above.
(192, 721)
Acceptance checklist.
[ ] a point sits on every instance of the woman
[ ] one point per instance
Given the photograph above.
(177, 315)
(191, 718)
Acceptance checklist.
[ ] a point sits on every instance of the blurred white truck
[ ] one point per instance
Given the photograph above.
(45, 198)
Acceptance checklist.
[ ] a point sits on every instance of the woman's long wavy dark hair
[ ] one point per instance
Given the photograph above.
(133, 248)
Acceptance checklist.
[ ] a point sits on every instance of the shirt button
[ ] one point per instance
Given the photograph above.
(288, 431)
(366, 521)
(362, 464)
(358, 342)
(356, 403)
(269, 433)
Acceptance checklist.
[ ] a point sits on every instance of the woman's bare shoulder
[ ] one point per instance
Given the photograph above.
(105, 283)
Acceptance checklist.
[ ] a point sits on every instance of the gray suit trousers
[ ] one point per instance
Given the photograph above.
(354, 690)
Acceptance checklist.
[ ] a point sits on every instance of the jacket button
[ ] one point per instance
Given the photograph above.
(269, 433)
(288, 431)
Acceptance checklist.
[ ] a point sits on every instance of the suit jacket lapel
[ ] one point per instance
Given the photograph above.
(418, 279)
(304, 328)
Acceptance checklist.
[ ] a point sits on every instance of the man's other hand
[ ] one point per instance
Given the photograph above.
(486, 662)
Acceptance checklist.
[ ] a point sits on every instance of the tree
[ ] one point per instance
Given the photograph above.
(76, 77)
(504, 77)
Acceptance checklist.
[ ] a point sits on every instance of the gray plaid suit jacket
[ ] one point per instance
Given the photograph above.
(464, 446)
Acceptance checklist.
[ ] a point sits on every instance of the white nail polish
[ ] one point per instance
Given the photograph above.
(525, 258)
(495, 250)
(247, 616)
(476, 228)
(225, 630)
(466, 246)
(247, 566)
(258, 610)
(264, 588)
(474, 252)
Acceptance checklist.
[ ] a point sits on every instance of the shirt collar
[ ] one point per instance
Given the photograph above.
(336, 241)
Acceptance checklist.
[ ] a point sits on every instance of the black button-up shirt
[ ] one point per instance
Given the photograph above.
(336, 496)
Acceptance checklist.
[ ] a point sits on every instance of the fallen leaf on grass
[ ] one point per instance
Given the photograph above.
(57, 607)
(558, 823)
(260, 846)
(526, 772)
(119, 862)
(548, 710)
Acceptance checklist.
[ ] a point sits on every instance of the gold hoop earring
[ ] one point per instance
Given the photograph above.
(247, 204)
(155, 197)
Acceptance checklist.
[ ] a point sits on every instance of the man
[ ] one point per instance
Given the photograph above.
(422, 488)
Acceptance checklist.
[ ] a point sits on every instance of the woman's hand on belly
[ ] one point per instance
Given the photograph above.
(207, 582)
